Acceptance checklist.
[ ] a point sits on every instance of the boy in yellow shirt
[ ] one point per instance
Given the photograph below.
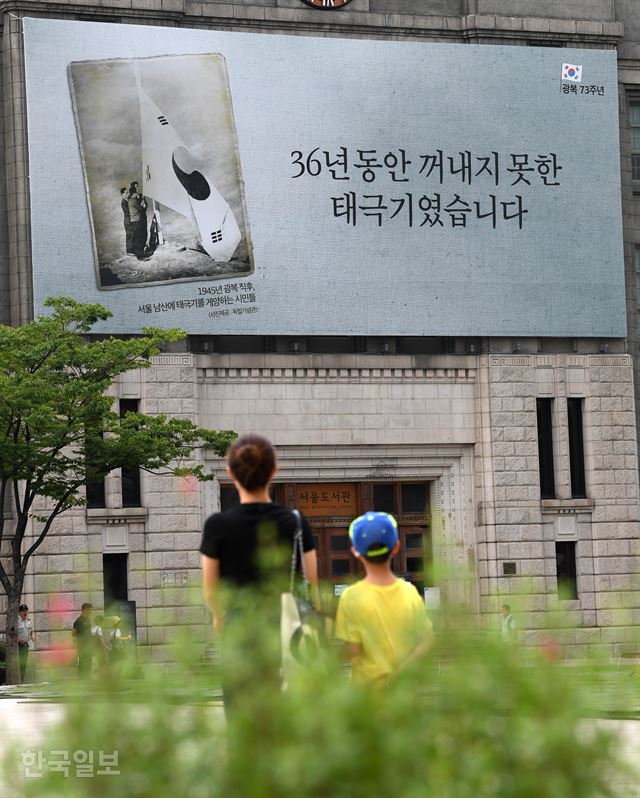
(382, 619)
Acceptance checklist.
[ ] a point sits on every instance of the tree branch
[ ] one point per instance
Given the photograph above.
(3, 491)
(52, 516)
(6, 582)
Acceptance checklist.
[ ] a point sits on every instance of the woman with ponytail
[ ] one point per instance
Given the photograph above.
(234, 542)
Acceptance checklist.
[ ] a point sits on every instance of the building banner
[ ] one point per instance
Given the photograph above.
(244, 183)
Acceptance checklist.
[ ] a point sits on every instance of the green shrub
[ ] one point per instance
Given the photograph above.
(477, 718)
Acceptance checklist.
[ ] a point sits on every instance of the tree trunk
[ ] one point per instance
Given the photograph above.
(13, 667)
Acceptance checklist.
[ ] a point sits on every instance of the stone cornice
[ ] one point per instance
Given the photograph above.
(188, 13)
(316, 375)
(559, 360)
(180, 359)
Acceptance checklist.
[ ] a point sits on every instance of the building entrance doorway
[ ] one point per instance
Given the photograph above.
(331, 506)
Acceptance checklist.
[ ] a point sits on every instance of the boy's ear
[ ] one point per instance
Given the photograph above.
(395, 549)
(355, 553)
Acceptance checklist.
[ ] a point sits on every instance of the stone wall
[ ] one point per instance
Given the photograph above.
(517, 526)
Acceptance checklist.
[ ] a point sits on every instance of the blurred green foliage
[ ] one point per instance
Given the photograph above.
(477, 718)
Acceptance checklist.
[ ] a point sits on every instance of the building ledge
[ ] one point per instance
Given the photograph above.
(255, 16)
(116, 515)
(567, 505)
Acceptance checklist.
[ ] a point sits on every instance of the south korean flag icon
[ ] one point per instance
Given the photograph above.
(572, 72)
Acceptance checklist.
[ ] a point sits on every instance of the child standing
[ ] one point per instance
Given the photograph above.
(382, 619)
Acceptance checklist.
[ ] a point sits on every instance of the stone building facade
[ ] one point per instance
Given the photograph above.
(459, 429)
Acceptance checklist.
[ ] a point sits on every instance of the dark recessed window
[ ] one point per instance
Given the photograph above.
(131, 493)
(637, 258)
(414, 540)
(95, 490)
(96, 495)
(545, 448)
(576, 448)
(634, 110)
(566, 569)
(422, 345)
(340, 543)
(228, 497)
(414, 564)
(239, 344)
(508, 568)
(414, 498)
(340, 567)
(114, 568)
(331, 345)
(384, 499)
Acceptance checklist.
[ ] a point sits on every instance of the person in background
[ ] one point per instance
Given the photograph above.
(381, 619)
(116, 636)
(100, 646)
(81, 633)
(233, 541)
(25, 638)
(117, 643)
(507, 625)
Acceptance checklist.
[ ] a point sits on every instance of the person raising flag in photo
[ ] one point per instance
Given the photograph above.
(138, 216)
(174, 177)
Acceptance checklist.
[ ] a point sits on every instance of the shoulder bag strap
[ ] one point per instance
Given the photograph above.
(298, 548)
(294, 551)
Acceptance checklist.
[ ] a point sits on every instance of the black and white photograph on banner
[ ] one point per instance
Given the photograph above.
(162, 170)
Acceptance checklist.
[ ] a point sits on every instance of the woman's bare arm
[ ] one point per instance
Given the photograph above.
(210, 584)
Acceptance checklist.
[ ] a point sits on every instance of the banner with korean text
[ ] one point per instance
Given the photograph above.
(238, 183)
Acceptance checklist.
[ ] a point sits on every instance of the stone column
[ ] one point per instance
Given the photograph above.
(17, 172)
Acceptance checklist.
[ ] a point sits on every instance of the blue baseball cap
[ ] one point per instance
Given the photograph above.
(373, 534)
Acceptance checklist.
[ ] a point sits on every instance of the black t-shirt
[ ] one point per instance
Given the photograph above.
(82, 626)
(234, 536)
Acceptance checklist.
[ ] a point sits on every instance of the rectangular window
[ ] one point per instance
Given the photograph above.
(384, 499)
(228, 497)
(95, 490)
(114, 568)
(131, 494)
(634, 110)
(637, 254)
(414, 540)
(566, 569)
(96, 495)
(545, 448)
(340, 568)
(415, 565)
(576, 448)
(340, 542)
(414, 498)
